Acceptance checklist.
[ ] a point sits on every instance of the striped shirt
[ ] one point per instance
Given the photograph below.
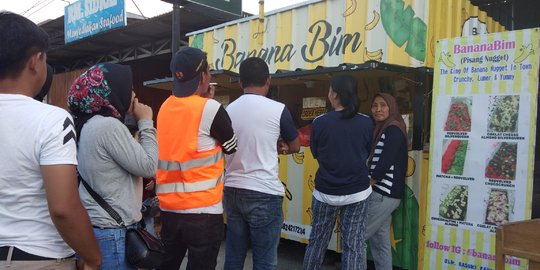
(389, 163)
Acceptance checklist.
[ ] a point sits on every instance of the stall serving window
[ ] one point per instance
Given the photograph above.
(305, 93)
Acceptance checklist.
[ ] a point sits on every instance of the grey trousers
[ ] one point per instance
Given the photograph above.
(379, 217)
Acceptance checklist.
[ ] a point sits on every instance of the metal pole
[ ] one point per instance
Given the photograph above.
(261, 22)
(175, 42)
(513, 25)
(418, 116)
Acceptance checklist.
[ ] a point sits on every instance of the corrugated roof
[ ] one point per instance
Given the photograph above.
(512, 14)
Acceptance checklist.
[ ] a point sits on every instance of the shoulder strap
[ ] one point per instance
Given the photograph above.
(101, 202)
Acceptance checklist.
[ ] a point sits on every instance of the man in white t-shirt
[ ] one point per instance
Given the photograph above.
(253, 195)
(42, 221)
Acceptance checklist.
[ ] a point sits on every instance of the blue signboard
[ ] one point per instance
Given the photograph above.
(89, 17)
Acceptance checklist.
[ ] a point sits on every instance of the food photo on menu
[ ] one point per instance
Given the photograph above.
(454, 204)
(499, 206)
(502, 163)
(503, 113)
(454, 154)
(459, 114)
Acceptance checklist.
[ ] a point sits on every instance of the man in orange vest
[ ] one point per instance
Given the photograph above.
(193, 134)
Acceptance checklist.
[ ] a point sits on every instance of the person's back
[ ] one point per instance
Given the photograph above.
(193, 134)
(254, 166)
(340, 141)
(42, 221)
(110, 162)
(110, 159)
(42, 140)
(253, 194)
(341, 145)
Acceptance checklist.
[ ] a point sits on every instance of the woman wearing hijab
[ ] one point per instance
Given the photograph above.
(340, 141)
(388, 165)
(109, 158)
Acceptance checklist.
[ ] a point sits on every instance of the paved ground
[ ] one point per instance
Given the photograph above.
(291, 255)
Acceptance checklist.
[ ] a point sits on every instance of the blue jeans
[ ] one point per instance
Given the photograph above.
(352, 226)
(252, 217)
(112, 243)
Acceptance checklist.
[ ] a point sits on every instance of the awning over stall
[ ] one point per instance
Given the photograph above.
(224, 78)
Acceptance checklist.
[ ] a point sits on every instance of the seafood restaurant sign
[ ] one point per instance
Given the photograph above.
(482, 146)
(85, 18)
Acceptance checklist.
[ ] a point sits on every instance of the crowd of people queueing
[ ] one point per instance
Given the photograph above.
(206, 160)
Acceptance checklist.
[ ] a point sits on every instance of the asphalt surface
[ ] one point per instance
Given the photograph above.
(290, 257)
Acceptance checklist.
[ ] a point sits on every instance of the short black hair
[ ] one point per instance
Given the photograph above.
(345, 86)
(20, 39)
(253, 72)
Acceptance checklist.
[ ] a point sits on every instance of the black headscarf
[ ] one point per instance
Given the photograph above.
(104, 89)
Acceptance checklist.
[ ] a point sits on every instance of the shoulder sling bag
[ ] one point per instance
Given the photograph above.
(143, 250)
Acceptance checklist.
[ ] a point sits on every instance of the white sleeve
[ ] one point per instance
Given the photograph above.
(58, 144)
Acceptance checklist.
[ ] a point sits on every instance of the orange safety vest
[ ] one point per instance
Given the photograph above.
(186, 178)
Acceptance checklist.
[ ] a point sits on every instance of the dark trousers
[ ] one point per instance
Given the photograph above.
(198, 234)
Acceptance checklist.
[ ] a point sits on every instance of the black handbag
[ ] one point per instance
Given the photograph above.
(143, 250)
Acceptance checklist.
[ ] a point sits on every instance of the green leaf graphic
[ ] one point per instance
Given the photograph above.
(198, 41)
(401, 26)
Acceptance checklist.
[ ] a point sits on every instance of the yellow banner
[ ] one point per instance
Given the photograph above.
(297, 172)
(482, 146)
(332, 32)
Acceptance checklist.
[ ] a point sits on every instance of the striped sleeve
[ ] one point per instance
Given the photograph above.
(384, 159)
(222, 131)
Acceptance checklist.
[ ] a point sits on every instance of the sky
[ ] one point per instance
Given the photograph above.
(42, 10)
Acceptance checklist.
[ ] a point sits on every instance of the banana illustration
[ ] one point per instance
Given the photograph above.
(525, 51)
(411, 167)
(373, 55)
(298, 157)
(309, 212)
(446, 59)
(288, 193)
(350, 9)
(311, 183)
(432, 47)
(374, 22)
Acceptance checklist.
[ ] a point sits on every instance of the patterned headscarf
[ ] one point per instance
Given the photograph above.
(104, 89)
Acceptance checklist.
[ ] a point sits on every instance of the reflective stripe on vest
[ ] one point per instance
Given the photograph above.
(186, 178)
(186, 165)
(188, 187)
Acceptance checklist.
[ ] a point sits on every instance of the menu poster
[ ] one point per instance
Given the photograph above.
(481, 147)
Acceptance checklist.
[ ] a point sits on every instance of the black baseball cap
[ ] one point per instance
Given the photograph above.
(187, 67)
